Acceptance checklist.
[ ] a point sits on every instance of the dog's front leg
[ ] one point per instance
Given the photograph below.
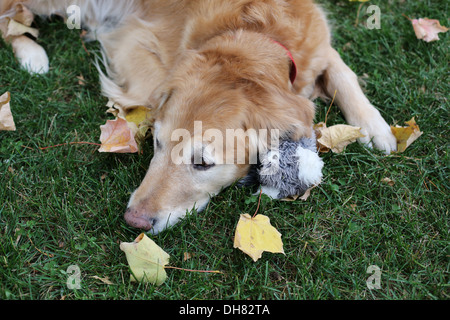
(357, 109)
(32, 57)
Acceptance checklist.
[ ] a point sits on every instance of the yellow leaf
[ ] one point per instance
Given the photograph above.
(255, 235)
(142, 118)
(6, 118)
(138, 115)
(336, 137)
(406, 135)
(116, 136)
(146, 260)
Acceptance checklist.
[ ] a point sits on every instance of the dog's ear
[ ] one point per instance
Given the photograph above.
(281, 111)
(288, 162)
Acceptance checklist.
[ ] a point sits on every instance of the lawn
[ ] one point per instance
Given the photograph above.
(64, 206)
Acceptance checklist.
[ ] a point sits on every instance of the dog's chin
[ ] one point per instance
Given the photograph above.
(170, 218)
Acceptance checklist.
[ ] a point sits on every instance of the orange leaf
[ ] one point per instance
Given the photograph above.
(117, 137)
(406, 135)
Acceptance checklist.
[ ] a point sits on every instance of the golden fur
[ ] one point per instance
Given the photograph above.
(217, 62)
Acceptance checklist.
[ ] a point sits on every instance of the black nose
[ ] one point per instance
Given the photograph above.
(139, 220)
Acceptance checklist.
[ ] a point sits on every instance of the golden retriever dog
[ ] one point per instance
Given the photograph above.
(226, 64)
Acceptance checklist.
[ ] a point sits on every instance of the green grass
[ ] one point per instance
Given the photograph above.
(64, 206)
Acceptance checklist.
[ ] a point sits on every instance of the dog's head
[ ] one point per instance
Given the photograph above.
(218, 109)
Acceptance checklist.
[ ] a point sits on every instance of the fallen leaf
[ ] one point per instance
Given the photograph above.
(81, 80)
(187, 256)
(290, 198)
(304, 197)
(139, 120)
(337, 137)
(6, 117)
(146, 260)
(116, 136)
(254, 235)
(427, 29)
(406, 135)
(17, 29)
(307, 193)
(115, 109)
(138, 115)
(388, 181)
(105, 280)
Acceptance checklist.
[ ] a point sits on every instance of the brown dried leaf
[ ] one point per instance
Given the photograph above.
(388, 181)
(17, 29)
(307, 193)
(6, 117)
(337, 137)
(105, 280)
(304, 197)
(187, 256)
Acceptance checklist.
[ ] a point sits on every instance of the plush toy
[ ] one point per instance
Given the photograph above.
(288, 171)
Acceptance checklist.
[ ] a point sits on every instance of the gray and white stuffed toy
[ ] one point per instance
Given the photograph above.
(288, 171)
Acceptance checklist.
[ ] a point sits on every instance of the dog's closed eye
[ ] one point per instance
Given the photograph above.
(157, 143)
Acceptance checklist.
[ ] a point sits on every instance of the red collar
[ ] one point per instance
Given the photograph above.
(293, 72)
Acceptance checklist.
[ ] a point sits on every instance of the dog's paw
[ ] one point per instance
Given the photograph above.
(32, 57)
(378, 134)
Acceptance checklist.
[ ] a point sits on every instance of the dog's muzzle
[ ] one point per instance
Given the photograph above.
(137, 220)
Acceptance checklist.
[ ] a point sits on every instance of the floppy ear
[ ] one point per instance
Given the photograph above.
(279, 112)
(289, 163)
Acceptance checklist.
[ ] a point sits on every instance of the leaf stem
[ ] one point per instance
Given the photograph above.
(259, 200)
(191, 270)
(406, 16)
